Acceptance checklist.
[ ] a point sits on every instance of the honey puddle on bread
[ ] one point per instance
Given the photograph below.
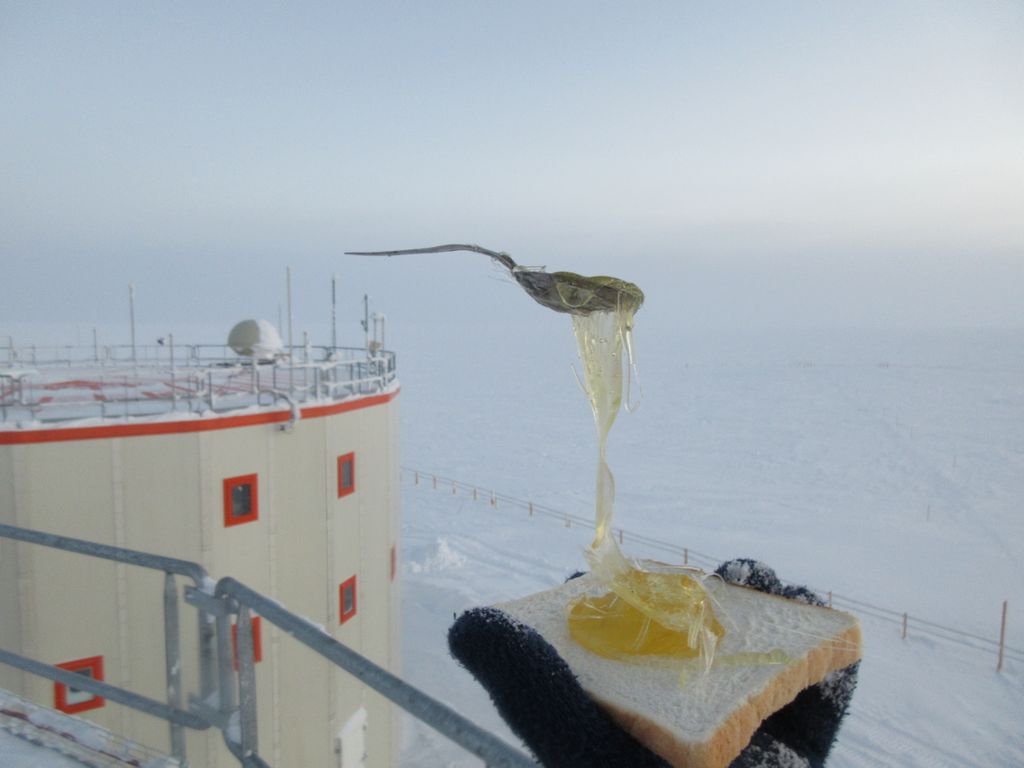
(650, 611)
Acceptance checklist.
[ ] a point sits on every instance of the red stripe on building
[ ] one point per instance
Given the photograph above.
(185, 426)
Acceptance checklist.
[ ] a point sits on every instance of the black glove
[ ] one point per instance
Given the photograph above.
(541, 700)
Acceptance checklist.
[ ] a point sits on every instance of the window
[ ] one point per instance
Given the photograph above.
(69, 699)
(241, 500)
(257, 641)
(347, 600)
(346, 474)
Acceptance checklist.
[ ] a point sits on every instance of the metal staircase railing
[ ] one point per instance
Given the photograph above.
(235, 690)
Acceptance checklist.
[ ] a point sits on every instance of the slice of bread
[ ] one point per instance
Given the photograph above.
(706, 720)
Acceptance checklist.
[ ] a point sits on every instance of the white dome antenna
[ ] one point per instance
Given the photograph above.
(257, 339)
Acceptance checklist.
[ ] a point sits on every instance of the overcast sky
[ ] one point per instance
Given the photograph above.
(748, 163)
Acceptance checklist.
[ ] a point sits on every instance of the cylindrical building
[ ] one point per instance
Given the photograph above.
(280, 472)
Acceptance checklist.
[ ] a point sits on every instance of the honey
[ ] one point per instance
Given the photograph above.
(644, 612)
(647, 614)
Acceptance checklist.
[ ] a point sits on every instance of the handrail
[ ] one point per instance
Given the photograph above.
(438, 715)
(194, 571)
(106, 690)
(216, 602)
(170, 566)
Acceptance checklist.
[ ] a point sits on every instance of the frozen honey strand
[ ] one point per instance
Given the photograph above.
(643, 613)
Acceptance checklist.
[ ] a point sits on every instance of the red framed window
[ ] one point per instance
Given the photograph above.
(241, 500)
(257, 641)
(69, 699)
(346, 474)
(347, 600)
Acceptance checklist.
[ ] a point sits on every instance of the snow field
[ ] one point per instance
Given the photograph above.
(887, 467)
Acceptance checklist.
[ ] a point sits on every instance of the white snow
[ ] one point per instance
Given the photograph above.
(888, 467)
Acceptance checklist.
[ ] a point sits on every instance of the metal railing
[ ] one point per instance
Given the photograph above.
(71, 382)
(219, 680)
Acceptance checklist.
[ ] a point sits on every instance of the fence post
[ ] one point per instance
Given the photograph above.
(1002, 638)
(474, 493)
(453, 487)
(903, 634)
(416, 478)
(686, 556)
(435, 482)
(830, 598)
(622, 536)
(531, 509)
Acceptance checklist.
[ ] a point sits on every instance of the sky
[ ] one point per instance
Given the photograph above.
(749, 164)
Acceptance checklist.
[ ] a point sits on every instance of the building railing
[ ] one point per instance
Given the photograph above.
(61, 383)
(220, 684)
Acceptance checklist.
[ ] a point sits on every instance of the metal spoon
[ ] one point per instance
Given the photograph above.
(561, 291)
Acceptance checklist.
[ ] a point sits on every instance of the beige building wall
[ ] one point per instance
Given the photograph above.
(164, 493)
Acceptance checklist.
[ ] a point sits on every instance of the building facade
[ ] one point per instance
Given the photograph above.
(296, 497)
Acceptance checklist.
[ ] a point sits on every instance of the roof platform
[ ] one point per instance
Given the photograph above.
(46, 387)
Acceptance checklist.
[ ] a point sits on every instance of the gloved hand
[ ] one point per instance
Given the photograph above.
(541, 700)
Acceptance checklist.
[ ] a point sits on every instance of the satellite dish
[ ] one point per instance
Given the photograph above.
(257, 339)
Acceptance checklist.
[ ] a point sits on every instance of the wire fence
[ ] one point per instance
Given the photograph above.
(907, 623)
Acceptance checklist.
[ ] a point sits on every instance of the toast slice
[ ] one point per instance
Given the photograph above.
(706, 720)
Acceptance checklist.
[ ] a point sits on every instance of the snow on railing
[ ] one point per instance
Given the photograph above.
(54, 384)
(907, 622)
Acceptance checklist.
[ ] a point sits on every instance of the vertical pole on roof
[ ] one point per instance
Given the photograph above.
(131, 314)
(288, 287)
(95, 345)
(174, 389)
(1002, 638)
(334, 311)
(366, 320)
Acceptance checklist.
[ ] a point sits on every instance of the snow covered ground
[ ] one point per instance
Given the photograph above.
(888, 467)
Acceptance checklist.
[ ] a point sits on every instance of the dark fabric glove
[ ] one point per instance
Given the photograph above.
(541, 700)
